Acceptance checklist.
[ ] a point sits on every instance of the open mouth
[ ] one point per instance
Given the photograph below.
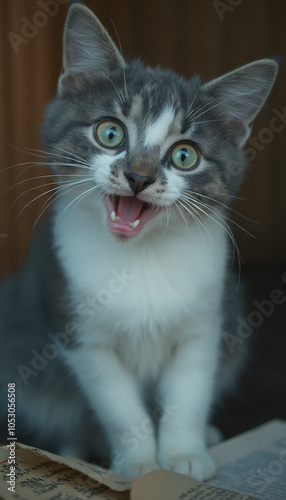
(127, 214)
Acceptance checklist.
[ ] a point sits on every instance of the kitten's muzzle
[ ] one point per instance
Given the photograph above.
(138, 182)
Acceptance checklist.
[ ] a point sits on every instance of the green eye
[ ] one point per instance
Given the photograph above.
(184, 156)
(110, 134)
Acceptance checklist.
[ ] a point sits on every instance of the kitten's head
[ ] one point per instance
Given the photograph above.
(144, 146)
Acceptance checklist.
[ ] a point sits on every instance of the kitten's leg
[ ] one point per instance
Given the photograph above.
(214, 435)
(116, 401)
(188, 385)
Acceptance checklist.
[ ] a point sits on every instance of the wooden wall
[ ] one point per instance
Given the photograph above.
(207, 37)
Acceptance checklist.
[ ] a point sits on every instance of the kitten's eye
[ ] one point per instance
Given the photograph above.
(184, 156)
(110, 134)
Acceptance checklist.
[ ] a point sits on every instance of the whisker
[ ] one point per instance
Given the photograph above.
(30, 163)
(34, 199)
(45, 176)
(228, 218)
(197, 110)
(182, 220)
(38, 152)
(31, 189)
(47, 184)
(74, 202)
(167, 218)
(208, 121)
(17, 148)
(197, 220)
(178, 202)
(123, 68)
(187, 191)
(52, 176)
(187, 114)
(55, 195)
(45, 154)
(224, 226)
(58, 164)
(231, 97)
(117, 89)
(45, 207)
(170, 209)
(56, 188)
(44, 164)
(70, 155)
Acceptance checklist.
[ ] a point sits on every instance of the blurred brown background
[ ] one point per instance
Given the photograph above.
(208, 37)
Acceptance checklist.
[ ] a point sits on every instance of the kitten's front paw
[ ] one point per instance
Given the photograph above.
(199, 466)
(132, 468)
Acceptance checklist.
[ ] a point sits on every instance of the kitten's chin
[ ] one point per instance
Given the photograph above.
(127, 215)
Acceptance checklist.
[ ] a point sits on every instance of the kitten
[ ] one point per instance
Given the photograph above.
(113, 329)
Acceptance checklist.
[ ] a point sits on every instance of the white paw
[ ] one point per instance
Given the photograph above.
(132, 468)
(199, 466)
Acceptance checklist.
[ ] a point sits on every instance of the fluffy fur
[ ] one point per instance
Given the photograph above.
(113, 330)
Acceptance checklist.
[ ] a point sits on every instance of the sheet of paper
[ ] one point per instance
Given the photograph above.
(167, 485)
(50, 477)
(40, 474)
(250, 466)
(254, 463)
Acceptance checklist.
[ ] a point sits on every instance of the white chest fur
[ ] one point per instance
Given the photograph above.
(133, 295)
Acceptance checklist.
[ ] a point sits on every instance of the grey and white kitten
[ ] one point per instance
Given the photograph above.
(113, 329)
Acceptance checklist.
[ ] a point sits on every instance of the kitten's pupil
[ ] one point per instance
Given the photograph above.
(184, 155)
(112, 133)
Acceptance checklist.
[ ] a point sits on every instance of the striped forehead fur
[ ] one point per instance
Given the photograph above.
(157, 131)
(159, 108)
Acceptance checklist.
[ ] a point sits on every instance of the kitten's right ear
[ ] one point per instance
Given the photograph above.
(87, 48)
(241, 94)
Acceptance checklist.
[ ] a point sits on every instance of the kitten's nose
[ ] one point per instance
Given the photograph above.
(138, 182)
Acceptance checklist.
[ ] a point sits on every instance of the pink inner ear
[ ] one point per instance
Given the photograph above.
(71, 81)
(71, 78)
(71, 55)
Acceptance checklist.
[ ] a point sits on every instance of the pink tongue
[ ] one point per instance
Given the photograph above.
(129, 208)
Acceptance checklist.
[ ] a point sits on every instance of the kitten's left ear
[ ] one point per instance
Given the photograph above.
(88, 48)
(241, 94)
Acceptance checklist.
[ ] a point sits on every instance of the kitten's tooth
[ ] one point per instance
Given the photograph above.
(135, 224)
(113, 216)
